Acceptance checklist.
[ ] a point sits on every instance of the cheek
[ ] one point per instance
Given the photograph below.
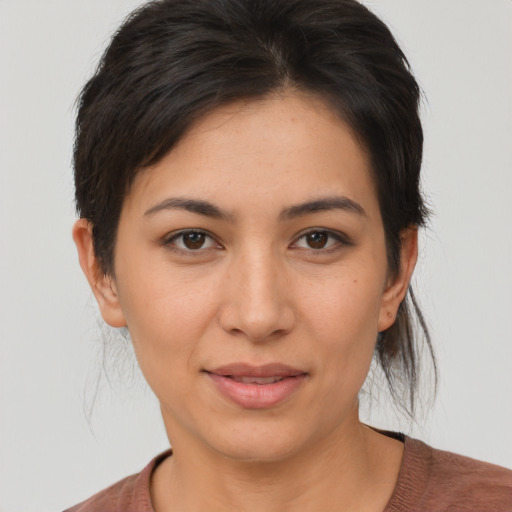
(344, 307)
(342, 318)
(167, 314)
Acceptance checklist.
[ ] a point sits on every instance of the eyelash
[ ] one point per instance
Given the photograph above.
(170, 241)
(340, 238)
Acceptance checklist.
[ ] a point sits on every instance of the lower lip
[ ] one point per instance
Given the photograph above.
(257, 396)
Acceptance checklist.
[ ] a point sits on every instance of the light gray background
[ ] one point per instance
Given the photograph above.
(51, 455)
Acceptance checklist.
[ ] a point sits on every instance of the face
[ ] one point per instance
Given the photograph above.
(251, 271)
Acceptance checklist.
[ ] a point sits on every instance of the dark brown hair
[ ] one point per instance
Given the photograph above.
(172, 61)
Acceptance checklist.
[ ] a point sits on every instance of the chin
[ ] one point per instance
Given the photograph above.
(260, 443)
(267, 450)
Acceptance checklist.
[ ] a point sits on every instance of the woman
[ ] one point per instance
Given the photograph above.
(247, 180)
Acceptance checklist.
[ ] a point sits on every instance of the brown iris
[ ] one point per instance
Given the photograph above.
(194, 240)
(317, 240)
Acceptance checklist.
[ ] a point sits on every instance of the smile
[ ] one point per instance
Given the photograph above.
(252, 387)
(255, 380)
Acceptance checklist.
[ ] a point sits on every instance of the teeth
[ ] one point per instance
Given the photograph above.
(256, 380)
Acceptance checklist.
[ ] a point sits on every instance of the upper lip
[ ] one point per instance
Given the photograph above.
(265, 370)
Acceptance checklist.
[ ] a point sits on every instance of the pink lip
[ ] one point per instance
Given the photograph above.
(254, 395)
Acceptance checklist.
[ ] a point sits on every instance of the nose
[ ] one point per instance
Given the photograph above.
(257, 304)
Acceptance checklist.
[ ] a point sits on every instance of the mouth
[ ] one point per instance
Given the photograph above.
(260, 381)
(257, 387)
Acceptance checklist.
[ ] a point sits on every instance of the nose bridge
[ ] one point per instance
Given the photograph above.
(258, 304)
(259, 279)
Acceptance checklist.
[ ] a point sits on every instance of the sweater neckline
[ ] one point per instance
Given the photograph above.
(411, 484)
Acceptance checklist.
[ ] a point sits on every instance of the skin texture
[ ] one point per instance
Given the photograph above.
(257, 292)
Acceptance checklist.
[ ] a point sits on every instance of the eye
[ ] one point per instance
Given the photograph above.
(320, 239)
(191, 241)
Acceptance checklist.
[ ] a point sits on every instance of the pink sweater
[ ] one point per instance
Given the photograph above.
(430, 480)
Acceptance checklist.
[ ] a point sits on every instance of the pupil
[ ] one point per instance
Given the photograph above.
(317, 240)
(193, 240)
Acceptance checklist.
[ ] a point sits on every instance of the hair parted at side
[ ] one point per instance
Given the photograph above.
(172, 61)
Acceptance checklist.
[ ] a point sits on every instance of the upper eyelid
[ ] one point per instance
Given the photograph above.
(180, 232)
(335, 234)
(341, 241)
(170, 237)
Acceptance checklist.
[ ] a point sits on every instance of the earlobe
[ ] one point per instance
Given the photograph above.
(103, 286)
(398, 286)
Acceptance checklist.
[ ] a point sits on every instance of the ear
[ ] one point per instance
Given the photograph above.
(103, 286)
(397, 285)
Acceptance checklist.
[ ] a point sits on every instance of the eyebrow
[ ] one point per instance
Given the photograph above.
(323, 204)
(208, 209)
(190, 205)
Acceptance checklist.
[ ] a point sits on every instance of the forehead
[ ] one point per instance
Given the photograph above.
(282, 149)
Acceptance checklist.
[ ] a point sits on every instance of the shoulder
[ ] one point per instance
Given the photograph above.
(116, 498)
(132, 494)
(438, 480)
(473, 482)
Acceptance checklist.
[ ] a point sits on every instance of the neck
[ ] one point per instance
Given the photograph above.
(354, 468)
